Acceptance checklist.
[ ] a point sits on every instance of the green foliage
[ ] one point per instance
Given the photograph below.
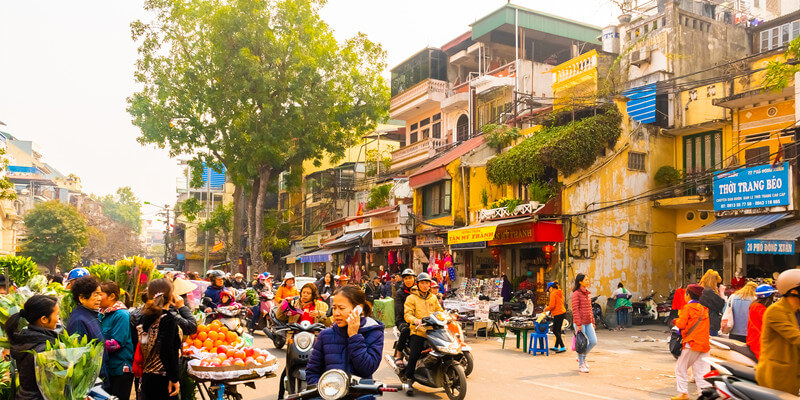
(19, 269)
(484, 197)
(5, 380)
(780, 74)
(371, 161)
(133, 274)
(103, 272)
(68, 367)
(251, 297)
(56, 233)
(190, 208)
(667, 175)
(542, 191)
(508, 203)
(7, 191)
(124, 208)
(10, 304)
(567, 148)
(220, 221)
(500, 136)
(379, 196)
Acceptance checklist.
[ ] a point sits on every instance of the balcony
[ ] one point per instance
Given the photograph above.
(498, 78)
(422, 97)
(457, 98)
(691, 194)
(576, 71)
(416, 152)
(503, 212)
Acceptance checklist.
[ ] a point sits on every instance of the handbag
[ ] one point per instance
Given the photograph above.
(727, 319)
(138, 361)
(676, 339)
(581, 342)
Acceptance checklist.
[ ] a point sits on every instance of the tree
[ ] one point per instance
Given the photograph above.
(379, 196)
(56, 234)
(7, 191)
(258, 86)
(109, 240)
(124, 208)
(780, 73)
(220, 223)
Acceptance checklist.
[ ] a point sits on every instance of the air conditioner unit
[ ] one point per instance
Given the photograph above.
(640, 56)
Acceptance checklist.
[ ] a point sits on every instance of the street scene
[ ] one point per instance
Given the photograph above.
(311, 199)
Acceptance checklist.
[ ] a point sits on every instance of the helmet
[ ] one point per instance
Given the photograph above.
(788, 280)
(765, 290)
(406, 272)
(344, 278)
(227, 292)
(265, 275)
(215, 273)
(77, 273)
(238, 275)
(424, 277)
(288, 275)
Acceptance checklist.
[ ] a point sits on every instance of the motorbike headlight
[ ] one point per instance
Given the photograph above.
(304, 341)
(332, 385)
(451, 348)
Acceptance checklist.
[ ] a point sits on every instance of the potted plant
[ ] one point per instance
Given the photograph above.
(669, 176)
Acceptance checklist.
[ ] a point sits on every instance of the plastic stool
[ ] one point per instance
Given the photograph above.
(540, 333)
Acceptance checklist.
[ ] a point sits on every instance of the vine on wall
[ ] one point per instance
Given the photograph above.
(568, 148)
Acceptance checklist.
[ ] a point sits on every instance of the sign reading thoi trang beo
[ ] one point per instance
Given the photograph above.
(758, 246)
(761, 186)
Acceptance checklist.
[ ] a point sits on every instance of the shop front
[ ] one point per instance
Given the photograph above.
(772, 252)
(392, 248)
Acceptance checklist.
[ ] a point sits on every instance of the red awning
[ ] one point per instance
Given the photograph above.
(528, 232)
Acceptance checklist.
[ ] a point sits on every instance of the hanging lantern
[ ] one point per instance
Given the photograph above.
(496, 253)
(548, 250)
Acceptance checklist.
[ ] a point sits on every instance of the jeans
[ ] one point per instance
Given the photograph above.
(417, 344)
(402, 340)
(587, 330)
(622, 316)
(558, 322)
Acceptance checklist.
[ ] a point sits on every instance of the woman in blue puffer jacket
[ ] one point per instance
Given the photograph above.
(354, 343)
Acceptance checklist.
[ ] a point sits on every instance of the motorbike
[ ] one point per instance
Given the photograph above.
(337, 384)
(467, 360)
(298, 350)
(598, 313)
(440, 363)
(275, 329)
(735, 381)
(231, 317)
(97, 392)
(644, 310)
(664, 310)
(262, 320)
(733, 351)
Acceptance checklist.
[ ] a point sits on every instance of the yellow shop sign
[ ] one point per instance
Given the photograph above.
(470, 235)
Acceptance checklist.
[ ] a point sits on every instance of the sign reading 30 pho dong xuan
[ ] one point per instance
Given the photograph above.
(755, 187)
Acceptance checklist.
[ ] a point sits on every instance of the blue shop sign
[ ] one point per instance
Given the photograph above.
(758, 246)
(761, 186)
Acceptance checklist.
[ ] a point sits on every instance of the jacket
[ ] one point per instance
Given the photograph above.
(86, 322)
(754, 323)
(623, 298)
(183, 316)
(679, 299)
(698, 339)
(319, 305)
(741, 312)
(116, 325)
(213, 293)
(418, 306)
(556, 305)
(169, 342)
(715, 305)
(581, 307)
(372, 292)
(329, 289)
(401, 294)
(31, 338)
(282, 293)
(359, 354)
(386, 289)
(779, 364)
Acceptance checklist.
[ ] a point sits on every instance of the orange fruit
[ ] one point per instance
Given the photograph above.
(231, 337)
(213, 335)
(223, 329)
(239, 362)
(218, 343)
(202, 336)
(202, 328)
(230, 353)
(240, 354)
(214, 326)
(208, 344)
(197, 343)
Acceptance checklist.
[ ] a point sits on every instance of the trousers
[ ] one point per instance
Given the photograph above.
(588, 330)
(416, 344)
(694, 359)
(558, 322)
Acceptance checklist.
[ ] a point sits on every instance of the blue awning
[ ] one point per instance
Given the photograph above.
(323, 255)
(723, 226)
(348, 239)
(642, 103)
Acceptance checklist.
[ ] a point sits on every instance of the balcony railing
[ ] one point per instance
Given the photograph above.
(503, 212)
(423, 149)
(574, 68)
(429, 89)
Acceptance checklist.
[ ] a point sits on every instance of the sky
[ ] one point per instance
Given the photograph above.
(66, 69)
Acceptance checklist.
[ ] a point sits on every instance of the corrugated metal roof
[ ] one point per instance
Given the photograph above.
(788, 232)
(538, 21)
(733, 225)
(447, 158)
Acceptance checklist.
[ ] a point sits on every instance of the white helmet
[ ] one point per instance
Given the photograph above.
(787, 281)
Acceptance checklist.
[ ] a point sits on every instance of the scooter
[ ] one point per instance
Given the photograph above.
(230, 317)
(337, 384)
(275, 329)
(467, 360)
(293, 377)
(664, 310)
(598, 313)
(261, 320)
(734, 381)
(644, 310)
(733, 351)
(440, 363)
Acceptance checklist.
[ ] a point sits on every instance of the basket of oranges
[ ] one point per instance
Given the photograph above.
(208, 338)
(220, 354)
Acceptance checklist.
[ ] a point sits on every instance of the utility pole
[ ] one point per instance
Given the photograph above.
(166, 236)
(205, 233)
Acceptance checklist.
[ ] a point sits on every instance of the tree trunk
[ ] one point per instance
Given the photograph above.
(257, 216)
(236, 236)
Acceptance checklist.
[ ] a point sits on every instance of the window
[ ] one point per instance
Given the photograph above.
(437, 130)
(636, 161)
(702, 152)
(758, 155)
(637, 239)
(764, 40)
(424, 122)
(462, 128)
(436, 200)
(425, 133)
(437, 117)
(414, 126)
(413, 138)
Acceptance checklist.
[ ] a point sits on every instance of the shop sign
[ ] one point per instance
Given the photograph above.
(482, 309)
(310, 241)
(387, 237)
(758, 246)
(429, 240)
(523, 233)
(761, 186)
(469, 235)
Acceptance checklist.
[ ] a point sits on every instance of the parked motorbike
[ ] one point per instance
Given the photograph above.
(261, 320)
(275, 329)
(733, 351)
(735, 381)
(664, 310)
(293, 377)
(231, 317)
(440, 364)
(337, 384)
(644, 310)
(455, 328)
(598, 313)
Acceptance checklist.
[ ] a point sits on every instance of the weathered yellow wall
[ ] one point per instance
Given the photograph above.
(756, 120)
(702, 108)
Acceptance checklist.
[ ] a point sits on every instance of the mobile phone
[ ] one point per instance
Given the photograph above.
(358, 309)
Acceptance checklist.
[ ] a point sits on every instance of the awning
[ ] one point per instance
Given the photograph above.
(348, 239)
(777, 241)
(323, 255)
(292, 257)
(723, 226)
(480, 232)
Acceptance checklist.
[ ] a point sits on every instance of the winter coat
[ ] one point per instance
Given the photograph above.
(556, 305)
(283, 293)
(86, 322)
(116, 325)
(754, 324)
(169, 341)
(779, 364)
(418, 306)
(329, 289)
(698, 339)
(505, 291)
(31, 338)
(715, 305)
(741, 312)
(183, 316)
(319, 305)
(213, 293)
(401, 294)
(679, 298)
(359, 354)
(372, 291)
(240, 285)
(581, 307)
(386, 289)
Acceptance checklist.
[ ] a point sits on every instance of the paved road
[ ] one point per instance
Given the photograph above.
(622, 367)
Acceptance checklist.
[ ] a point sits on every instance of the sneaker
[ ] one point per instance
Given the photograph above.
(410, 390)
(582, 368)
(554, 349)
(682, 396)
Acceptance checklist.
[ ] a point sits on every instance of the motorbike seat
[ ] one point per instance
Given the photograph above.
(753, 391)
(738, 347)
(740, 371)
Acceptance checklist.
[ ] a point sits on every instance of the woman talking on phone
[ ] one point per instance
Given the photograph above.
(353, 344)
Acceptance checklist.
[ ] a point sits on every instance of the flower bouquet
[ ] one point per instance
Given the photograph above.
(68, 368)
